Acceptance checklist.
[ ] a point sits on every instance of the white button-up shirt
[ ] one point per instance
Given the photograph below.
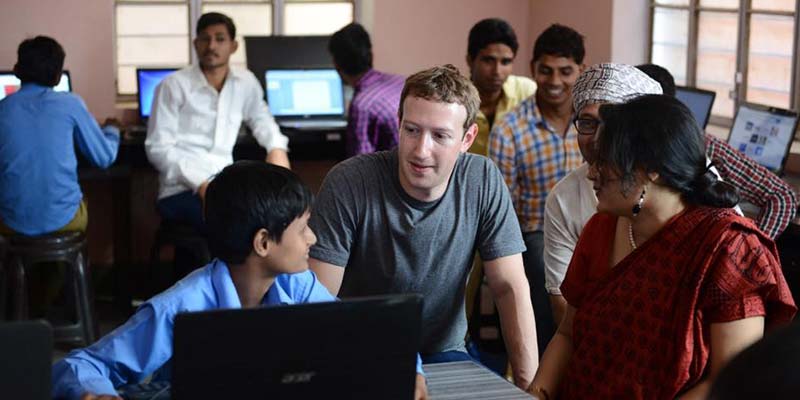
(193, 128)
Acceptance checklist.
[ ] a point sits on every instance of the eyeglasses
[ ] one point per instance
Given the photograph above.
(586, 126)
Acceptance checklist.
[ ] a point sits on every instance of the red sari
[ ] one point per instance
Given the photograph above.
(641, 329)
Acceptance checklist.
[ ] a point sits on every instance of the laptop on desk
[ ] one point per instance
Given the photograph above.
(764, 134)
(698, 101)
(311, 99)
(353, 349)
(147, 79)
(9, 83)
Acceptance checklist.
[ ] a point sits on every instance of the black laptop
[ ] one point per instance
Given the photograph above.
(26, 348)
(353, 349)
(699, 101)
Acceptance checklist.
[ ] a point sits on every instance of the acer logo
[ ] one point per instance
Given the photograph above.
(297, 377)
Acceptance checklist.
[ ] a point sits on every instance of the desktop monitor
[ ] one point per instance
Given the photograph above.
(699, 102)
(9, 83)
(304, 92)
(764, 134)
(146, 81)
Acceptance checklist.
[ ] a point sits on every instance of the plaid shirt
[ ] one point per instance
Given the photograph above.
(756, 184)
(372, 123)
(532, 158)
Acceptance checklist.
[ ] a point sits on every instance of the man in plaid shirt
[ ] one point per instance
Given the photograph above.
(535, 145)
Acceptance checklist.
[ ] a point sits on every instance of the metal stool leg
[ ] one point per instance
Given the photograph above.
(83, 297)
(20, 310)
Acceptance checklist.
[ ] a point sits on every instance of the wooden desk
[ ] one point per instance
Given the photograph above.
(466, 380)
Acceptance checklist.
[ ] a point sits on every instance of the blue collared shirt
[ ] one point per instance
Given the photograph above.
(143, 345)
(39, 191)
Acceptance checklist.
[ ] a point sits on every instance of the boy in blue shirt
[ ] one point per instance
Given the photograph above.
(39, 128)
(257, 215)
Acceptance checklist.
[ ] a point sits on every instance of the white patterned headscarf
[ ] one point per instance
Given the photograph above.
(611, 83)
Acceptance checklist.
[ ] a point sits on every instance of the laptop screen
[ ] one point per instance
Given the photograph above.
(699, 102)
(764, 134)
(304, 92)
(9, 83)
(146, 81)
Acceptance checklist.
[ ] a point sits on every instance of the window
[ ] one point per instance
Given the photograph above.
(159, 33)
(741, 49)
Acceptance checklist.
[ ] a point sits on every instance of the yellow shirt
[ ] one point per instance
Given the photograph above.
(515, 89)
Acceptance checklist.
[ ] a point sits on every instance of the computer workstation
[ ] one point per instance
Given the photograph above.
(9, 83)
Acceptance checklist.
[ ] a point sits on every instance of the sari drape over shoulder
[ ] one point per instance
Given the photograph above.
(641, 329)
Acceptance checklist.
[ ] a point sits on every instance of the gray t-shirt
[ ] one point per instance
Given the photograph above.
(390, 242)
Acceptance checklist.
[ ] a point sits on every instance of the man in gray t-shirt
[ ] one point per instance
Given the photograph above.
(410, 219)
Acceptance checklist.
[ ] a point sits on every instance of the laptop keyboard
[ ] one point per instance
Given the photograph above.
(315, 123)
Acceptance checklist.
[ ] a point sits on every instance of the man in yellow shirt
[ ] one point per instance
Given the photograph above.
(491, 49)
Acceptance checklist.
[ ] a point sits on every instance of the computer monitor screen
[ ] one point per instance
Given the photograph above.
(146, 81)
(9, 83)
(304, 92)
(764, 134)
(699, 102)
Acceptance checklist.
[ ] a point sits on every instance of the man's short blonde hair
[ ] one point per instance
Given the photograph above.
(446, 85)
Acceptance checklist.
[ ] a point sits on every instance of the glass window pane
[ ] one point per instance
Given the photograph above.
(250, 20)
(317, 18)
(774, 5)
(670, 38)
(152, 19)
(716, 57)
(126, 80)
(156, 51)
(769, 70)
(732, 4)
(673, 2)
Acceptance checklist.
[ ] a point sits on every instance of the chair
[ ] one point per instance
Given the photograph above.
(184, 238)
(69, 248)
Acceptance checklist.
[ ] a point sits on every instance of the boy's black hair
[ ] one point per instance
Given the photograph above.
(490, 31)
(660, 75)
(215, 18)
(351, 49)
(40, 60)
(559, 40)
(247, 196)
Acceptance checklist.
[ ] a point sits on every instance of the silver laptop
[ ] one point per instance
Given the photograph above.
(764, 134)
(306, 98)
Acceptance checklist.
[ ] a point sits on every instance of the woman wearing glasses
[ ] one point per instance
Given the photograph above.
(666, 282)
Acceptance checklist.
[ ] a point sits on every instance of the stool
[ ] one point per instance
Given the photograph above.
(181, 236)
(65, 247)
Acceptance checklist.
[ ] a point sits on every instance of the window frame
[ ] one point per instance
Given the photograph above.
(195, 8)
(744, 14)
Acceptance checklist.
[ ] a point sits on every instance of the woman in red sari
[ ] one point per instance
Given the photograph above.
(667, 283)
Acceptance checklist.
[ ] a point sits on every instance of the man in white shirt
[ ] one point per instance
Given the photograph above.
(197, 113)
(572, 200)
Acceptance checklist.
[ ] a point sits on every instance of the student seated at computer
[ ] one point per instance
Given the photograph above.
(257, 216)
(39, 128)
(195, 120)
(372, 117)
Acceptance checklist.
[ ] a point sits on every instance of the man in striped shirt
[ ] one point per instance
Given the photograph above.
(535, 145)
(372, 116)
